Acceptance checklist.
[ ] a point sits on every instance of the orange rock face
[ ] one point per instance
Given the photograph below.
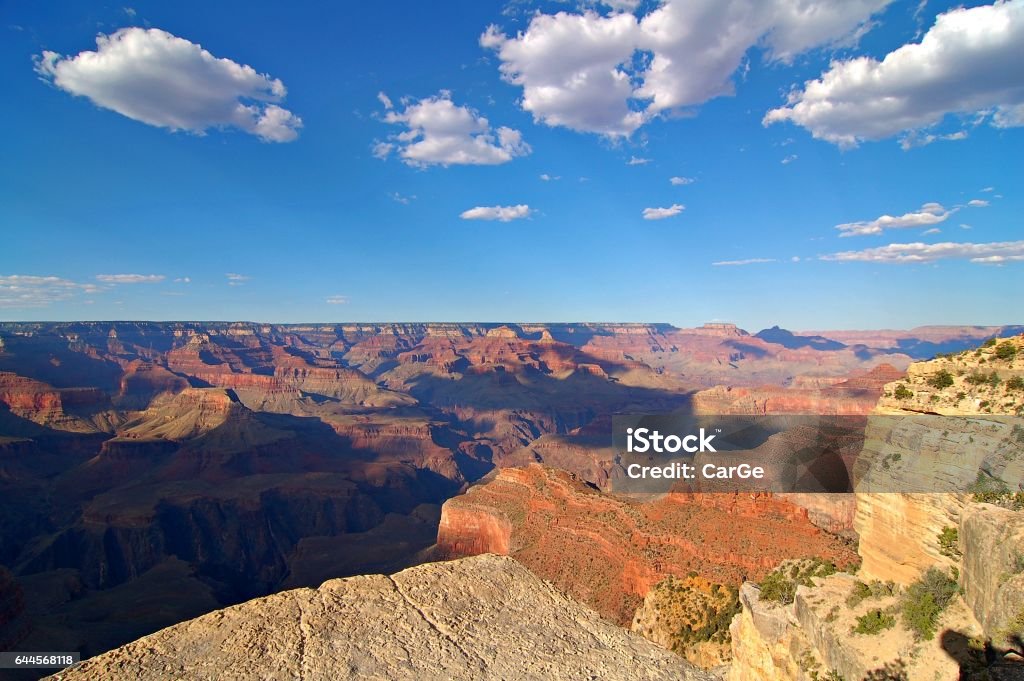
(608, 551)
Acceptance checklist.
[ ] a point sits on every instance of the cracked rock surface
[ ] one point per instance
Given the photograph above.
(480, 617)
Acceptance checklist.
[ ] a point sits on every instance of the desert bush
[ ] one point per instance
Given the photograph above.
(902, 392)
(949, 542)
(925, 600)
(1015, 383)
(940, 379)
(1006, 351)
(874, 622)
(775, 587)
(780, 585)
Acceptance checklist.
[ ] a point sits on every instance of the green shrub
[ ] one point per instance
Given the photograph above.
(949, 542)
(1006, 351)
(989, 343)
(925, 600)
(902, 392)
(859, 593)
(1015, 383)
(874, 589)
(874, 622)
(940, 379)
(780, 585)
(776, 588)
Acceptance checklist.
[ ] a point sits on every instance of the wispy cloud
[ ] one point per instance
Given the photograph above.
(933, 230)
(235, 279)
(404, 200)
(914, 253)
(130, 278)
(789, 159)
(24, 291)
(499, 213)
(637, 161)
(550, 178)
(336, 300)
(662, 213)
(747, 261)
(917, 138)
(929, 214)
(679, 181)
(977, 203)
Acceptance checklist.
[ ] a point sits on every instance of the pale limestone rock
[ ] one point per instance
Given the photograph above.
(992, 541)
(476, 618)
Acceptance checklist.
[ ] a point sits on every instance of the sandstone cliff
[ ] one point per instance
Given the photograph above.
(903, 535)
(483, 617)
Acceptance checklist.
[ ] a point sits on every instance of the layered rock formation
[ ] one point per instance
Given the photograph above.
(903, 536)
(236, 459)
(608, 551)
(422, 623)
(991, 540)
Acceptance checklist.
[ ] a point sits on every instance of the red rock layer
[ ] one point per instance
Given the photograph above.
(608, 551)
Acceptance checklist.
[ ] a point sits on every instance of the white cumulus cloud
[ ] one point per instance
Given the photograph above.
(984, 253)
(157, 78)
(130, 278)
(662, 213)
(967, 63)
(438, 132)
(499, 213)
(610, 74)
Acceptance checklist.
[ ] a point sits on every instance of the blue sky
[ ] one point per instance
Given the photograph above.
(148, 181)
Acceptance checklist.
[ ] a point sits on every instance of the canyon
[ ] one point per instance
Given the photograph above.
(230, 461)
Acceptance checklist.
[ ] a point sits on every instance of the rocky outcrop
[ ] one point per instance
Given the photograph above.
(690, 617)
(992, 542)
(422, 623)
(813, 638)
(903, 534)
(48, 406)
(906, 451)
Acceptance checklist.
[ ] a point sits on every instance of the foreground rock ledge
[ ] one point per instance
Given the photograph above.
(480, 617)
